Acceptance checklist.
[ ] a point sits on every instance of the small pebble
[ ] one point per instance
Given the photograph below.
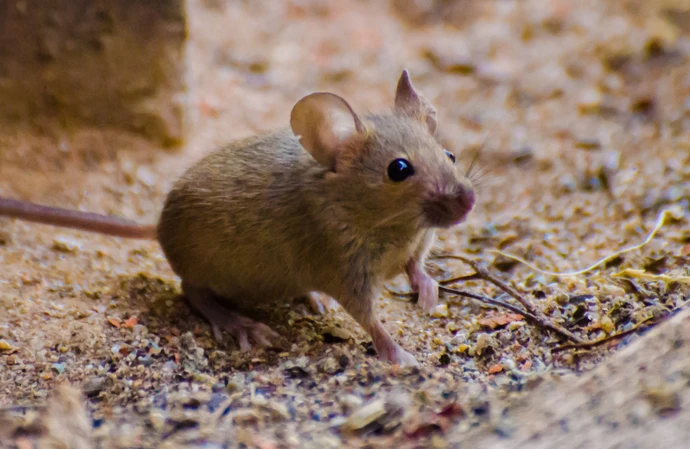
(365, 415)
(330, 366)
(279, 412)
(259, 400)
(93, 386)
(607, 324)
(336, 334)
(591, 101)
(169, 366)
(350, 403)
(59, 368)
(440, 311)
(66, 245)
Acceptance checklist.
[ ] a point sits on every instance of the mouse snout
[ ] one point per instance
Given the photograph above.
(465, 199)
(449, 208)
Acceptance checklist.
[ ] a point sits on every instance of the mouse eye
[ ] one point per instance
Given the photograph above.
(450, 155)
(399, 170)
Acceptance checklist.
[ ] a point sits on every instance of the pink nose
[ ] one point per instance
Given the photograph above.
(465, 199)
(449, 209)
(460, 205)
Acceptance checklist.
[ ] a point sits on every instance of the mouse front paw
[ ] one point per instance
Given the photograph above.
(424, 285)
(428, 294)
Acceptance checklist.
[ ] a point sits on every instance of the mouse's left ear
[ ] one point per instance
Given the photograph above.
(408, 102)
(326, 126)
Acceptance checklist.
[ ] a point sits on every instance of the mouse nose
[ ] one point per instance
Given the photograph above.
(451, 208)
(465, 199)
(461, 203)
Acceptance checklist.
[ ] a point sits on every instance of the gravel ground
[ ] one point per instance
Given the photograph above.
(581, 113)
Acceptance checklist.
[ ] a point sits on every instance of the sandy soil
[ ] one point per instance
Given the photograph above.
(581, 112)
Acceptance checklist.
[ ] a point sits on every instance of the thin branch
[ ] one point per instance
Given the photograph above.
(467, 277)
(532, 314)
(662, 219)
(483, 299)
(604, 340)
(650, 321)
(535, 315)
(484, 274)
(490, 301)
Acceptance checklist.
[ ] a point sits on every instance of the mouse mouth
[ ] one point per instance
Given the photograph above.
(445, 211)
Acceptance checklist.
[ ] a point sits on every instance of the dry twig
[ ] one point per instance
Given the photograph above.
(650, 321)
(603, 340)
(533, 313)
(662, 219)
(490, 301)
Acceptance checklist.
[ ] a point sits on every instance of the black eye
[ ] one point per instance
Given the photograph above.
(450, 155)
(399, 170)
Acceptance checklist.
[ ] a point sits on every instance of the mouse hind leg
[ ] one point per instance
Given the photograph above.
(222, 318)
(361, 308)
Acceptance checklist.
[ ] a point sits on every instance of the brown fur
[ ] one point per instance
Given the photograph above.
(261, 220)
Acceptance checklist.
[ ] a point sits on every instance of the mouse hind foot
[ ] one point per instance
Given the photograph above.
(222, 318)
(320, 304)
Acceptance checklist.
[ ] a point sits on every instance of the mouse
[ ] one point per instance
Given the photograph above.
(334, 204)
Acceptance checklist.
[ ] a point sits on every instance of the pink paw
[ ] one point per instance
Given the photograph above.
(244, 329)
(428, 294)
(396, 355)
(319, 304)
(424, 285)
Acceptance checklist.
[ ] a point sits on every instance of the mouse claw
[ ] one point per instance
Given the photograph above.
(222, 318)
(243, 340)
(397, 356)
(245, 329)
(319, 304)
(217, 334)
(263, 335)
(404, 358)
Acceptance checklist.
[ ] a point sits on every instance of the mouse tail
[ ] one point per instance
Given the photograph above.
(85, 221)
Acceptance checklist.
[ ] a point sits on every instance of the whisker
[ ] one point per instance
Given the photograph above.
(476, 156)
(468, 173)
(389, 218)
(485, 182)
(481, 172)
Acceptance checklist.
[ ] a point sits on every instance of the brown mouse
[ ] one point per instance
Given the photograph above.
(337, 204)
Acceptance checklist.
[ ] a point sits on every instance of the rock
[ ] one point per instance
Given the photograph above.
(365, 415)
(93, 386)
(95, 63)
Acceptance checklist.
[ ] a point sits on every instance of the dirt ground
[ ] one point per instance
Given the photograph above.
(581, 111)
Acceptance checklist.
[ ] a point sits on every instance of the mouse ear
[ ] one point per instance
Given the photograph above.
(408, 102)
(324, 123)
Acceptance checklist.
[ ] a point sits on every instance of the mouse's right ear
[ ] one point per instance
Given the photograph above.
(325, 124)
(412, 104)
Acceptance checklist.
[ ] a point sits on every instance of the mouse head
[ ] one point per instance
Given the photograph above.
(388, 170)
